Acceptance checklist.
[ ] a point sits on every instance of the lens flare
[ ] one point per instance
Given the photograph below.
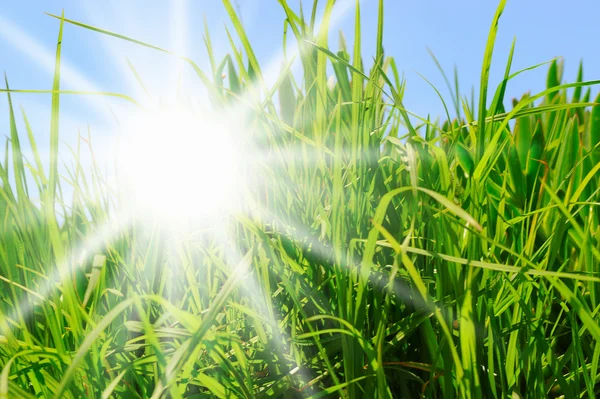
(180, 165)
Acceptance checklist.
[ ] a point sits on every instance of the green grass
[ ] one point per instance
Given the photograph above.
(392, 256)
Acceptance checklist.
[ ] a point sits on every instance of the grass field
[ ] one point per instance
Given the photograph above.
(370, 253)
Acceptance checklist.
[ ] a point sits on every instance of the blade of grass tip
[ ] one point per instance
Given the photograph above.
(497, 103)
(450, 89)
(321, 78)
(234, 80)
(137, 76)
(54, 123)
(292, 20)
(207, 83)
(357, 89)
(398, 102)
(253, 61)
(491, 146)
(313, 15)
(438, 94)
(286, 25)
(209, 48)
(345, 63)
(457, 91)
(531, 68)
(553, 79)
(379, 43)
(540, 109)
(109, 33)
(17, 155)
(382, 66)
(302, 21)
(485, 75)
(34, 149)
(577, 91)
(341, 73)
(244, 75)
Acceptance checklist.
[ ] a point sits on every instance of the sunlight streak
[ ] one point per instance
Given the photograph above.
(326, 255)
(30, 47)
(193, 174)
(273, 69)
(251, 286)
(79, 257)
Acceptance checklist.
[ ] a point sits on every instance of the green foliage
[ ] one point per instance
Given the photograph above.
(392, 256)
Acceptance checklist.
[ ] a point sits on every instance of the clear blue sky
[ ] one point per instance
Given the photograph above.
(456, 31)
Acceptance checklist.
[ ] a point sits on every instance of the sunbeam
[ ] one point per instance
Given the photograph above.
(26, 44)
(194, 174)
(78, 257)
(252, 285)
(271, 221)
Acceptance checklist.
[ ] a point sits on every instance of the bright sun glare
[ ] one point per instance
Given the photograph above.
(180, 165)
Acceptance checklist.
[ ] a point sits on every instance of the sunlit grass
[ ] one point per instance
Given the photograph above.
(305, 235)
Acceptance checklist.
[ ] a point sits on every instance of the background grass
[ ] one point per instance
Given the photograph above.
(389, 255)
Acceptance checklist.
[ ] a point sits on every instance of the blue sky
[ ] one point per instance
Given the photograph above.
(456, 31)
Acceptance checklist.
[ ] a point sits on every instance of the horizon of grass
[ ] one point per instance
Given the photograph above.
(392, 256)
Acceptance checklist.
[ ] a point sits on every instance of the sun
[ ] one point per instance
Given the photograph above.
(180, 165)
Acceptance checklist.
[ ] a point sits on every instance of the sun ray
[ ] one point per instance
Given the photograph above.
(78, 257)
(259, 302)
(179, 38)
(193, 177)
(326, 255)
(30, 47)
(272, 70)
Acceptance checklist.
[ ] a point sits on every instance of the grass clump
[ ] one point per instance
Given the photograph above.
(388, 256)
